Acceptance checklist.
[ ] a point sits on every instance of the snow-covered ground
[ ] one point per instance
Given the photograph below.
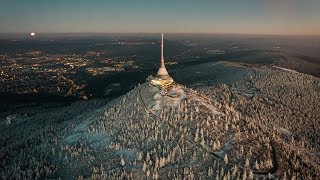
(285, 69)
(209, 132)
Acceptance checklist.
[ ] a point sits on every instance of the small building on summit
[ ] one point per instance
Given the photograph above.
(162, 78)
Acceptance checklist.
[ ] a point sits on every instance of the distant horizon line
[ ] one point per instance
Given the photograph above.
(195, 33)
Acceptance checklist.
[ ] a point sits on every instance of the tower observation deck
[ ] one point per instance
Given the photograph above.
(162, 78)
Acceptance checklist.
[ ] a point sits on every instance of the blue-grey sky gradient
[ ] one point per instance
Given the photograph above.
(153, 16)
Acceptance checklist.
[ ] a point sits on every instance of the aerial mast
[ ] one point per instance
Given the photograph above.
(162, 59)
(162, 78)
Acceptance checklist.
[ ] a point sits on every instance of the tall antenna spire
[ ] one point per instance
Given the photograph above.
(162, 78)
(162, 59)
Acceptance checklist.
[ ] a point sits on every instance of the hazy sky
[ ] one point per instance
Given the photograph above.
(181, 16)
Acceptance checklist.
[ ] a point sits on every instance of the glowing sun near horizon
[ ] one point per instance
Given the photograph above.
(32, 34)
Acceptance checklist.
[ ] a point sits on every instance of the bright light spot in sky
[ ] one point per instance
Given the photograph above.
(32, 34)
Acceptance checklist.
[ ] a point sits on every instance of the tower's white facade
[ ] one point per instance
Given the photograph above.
(162, 78)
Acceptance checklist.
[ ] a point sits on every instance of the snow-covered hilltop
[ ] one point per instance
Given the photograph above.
(213, 131)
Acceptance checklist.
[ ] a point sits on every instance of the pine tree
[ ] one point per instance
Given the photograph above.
(256, 165)
(122, 162)
(247, 163)
(250, 175)
(244, 176)
(144, 167)
(196, 135)
(225, 158)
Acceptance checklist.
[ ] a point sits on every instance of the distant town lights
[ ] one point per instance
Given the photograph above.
(32, 34)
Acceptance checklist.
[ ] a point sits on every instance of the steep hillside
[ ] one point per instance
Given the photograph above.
(234, 122)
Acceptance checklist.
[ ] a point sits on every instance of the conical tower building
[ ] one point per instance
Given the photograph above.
(162, 78)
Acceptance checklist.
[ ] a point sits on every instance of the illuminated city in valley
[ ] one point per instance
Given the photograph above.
(160, 89)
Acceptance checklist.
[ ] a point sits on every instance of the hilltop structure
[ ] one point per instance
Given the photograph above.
(162, 78)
